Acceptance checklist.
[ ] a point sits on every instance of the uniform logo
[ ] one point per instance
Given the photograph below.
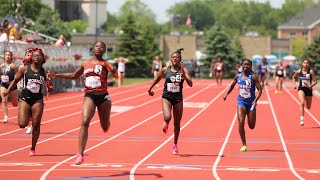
(98, 69)
(173, 79)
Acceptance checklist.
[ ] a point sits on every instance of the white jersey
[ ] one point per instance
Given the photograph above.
(121, 67)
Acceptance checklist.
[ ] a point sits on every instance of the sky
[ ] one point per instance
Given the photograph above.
(159, 7)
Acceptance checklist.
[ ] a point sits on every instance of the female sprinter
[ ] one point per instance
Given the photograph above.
(31, 97)
(8, 71)
(279, 74)
(121, 69)
(218, 69)
(95, 71)
(247, 100)
(307, 80)
(174, 74)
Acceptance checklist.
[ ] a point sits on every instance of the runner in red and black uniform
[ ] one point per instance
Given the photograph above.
(172, 98)
(95, 71)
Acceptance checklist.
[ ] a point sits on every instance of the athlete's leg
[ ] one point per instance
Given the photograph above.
(23, 114)
(177, 115)
(88, 110)
(302, 101)
(277, 84)
(252, 119)
(166, 108)
(241, 112)
(308, 100)
(104, 115)
(281, 82)
(220, 78)
(37, 111)
(4, 104)
(14, 97)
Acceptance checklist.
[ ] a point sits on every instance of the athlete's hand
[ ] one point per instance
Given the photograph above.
(307, 86)
(254, 103)
(51, 75)
(5, 94)
(151, 93)
(224, 98)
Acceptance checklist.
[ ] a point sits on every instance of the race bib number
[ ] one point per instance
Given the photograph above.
(33, 87)
(245, 93)
(157, 66)
(279, 72)
(306, 81)
(263, 70)
(173, 87)
(219, 68)
(5, 78)
(93, 81)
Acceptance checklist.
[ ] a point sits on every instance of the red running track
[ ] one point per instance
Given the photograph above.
(136, 148)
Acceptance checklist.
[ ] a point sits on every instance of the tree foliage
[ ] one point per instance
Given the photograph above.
(26, 11)
(79, 26)
(312, 52)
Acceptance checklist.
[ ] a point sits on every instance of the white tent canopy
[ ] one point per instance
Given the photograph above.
(256, 58)
(289, 58)
(271, 58)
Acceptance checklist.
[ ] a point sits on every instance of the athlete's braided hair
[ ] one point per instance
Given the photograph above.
(178, 52)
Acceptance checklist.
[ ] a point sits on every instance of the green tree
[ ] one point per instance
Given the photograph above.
(298, 46)
(200, 13)
(217, 43)
(312, 52)
(111, 24)
(24, 10)
(79, 26)
(130, 47)
(49, 23)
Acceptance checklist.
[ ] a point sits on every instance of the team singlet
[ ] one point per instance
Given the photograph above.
(95, 77)
(173, 84)
(305, 79)
(7, 74)
(246, 87)
(33, 82)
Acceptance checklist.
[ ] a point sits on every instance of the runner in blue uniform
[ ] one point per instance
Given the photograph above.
(307, 80)
(175, 74)
(247, 100)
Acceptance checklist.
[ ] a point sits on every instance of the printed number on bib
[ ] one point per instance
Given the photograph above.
(279, 72)
(245, 93)
(93, 81)
(5, 78)
(33, 87)
(173, 87)
(219, 68)
(305, 83)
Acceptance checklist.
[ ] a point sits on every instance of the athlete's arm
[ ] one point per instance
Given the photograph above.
(186, 76)
(17, 78)
(255, 79)
(234, 82)
(152, 69)
(14, 67)
(73, 75)
(295, 75)
(314, 78)
(284, 72)
(112, 70)
(275, 71)
(159, 77)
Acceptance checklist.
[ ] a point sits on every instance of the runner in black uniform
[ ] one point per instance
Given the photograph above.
(279, 74)
(8, 71)
(307, 80)
(172, 98)
(31, 97)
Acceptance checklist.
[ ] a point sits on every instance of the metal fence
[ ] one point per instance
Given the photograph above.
(60, 60)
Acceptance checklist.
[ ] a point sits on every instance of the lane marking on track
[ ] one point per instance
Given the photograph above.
(174, 167)
(133, 170)
(253, 169)
(121, 108)
(21, 164)
(95, 165)
(263, 102)
(194, 104)
(305, 109)
(290, 163)
(45, 174)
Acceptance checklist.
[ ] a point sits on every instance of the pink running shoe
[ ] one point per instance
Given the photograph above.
(32, 152)
(175, 149)
(165, 127)
(79, 160)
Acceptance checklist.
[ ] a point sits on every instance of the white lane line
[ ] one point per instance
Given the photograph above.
(133, 170)
(215, 164)
(305, 109)
(44, 175)
(281, 137)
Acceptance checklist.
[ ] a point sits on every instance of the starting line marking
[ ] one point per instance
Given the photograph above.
(194, 104)
(98, 165)
(121, 108)
(253, 169)
(263, 102)
(173, 167)
(21, 164)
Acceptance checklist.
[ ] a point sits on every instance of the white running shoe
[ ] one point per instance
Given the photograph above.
(29, 130)
(301, 122)
(5, 119)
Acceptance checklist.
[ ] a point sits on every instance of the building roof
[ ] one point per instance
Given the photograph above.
(304, 20)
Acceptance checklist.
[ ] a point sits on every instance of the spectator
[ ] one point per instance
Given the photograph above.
(60, 41)
(193, 68)
(14, 32)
